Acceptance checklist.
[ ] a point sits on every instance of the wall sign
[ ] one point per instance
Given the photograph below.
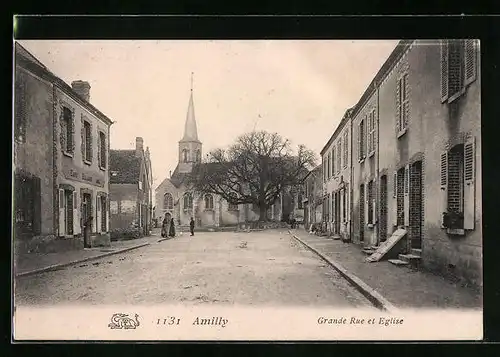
(78, 174)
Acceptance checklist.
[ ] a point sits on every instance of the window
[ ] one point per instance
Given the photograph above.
(457, 186)
(324, 169)
(328, 165)
(87, 142)
(20, 114)
(339, 156)
(188, 200)
(371, 132)
(346, 149)
(67, 131)
(102, 150)
(232, 206)
(198, 156)
(184, 155)
(458, 67)
(402, 104)
(168, 202)
(209, 202)
(361, 140)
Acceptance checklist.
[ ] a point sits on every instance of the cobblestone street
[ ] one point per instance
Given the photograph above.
(258, 268)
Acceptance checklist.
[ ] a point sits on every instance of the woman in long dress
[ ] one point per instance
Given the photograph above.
(164, 227)
(172, 228)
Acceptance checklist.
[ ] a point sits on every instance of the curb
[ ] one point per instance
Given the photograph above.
(62, 265)
(371, 294)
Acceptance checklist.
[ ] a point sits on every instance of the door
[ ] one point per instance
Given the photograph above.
(86, 208)
(104, 214)
(361, 213)
(415, 208)
(383, 208)
(69, 212)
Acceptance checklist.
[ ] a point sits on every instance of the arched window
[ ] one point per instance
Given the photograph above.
(232, 206)
(209, 201)
(198, 155)
(188, 200)
(184, 155)
(168, 201)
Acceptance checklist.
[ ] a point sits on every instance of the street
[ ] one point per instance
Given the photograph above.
(258, 268)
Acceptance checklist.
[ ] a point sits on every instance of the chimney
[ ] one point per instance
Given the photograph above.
(139, 146)
(82, 88)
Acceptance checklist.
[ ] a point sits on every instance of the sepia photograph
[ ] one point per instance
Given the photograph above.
(247, 190)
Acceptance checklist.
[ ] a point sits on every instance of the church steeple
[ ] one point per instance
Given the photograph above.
(190, 128)
(189, 146)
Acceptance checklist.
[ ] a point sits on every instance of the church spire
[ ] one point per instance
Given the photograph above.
(190, 129)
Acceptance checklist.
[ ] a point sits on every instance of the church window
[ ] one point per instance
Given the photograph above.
(209, 202)
(168, 202)
(188, 200)
(184, 155)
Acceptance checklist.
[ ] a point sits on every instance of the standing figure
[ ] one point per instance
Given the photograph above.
(172, 228)
(164, 227)
(87, 225)
(191, 226)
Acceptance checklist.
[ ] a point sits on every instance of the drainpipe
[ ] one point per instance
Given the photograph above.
(377, 168)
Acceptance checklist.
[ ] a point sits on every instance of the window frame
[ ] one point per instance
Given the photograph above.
(87, 142)
(68, 120)
(168, 205)
(102, 159)
(209, 202)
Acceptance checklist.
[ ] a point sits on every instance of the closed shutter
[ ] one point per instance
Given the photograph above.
(99, 157)
(444, 185)
(470, 61)
(398, 106)
(107, 214)
(444, 70)
(469, 184)
(395, 198)
(98, 213)
(348, 208)
(62, 215)
(76, 215)
(82, 132)
(360, 153)
(406, 103)
(72, 131)
(91, 144)
(407, 196)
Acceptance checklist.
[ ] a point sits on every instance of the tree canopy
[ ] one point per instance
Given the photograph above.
(254, 169)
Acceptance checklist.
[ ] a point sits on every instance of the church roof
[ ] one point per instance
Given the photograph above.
(124, 166)
(190, 128)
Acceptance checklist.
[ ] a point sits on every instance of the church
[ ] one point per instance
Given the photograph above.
(175, 199)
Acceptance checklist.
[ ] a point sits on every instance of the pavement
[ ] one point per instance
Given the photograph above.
(267, 268)
(400, 287)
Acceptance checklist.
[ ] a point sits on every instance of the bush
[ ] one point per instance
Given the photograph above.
(126, 233)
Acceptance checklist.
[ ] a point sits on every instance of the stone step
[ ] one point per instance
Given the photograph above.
(408, 257)
(415, 251)
(398, 262)
(368, 251)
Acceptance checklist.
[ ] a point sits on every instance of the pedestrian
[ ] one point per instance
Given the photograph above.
(164, 227)
(87, 225)
(172, 228)
(191, 226)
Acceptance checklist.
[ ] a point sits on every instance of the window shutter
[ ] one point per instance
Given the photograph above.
(444, 185)
(62, 214)
(82, 132)
(98, 213)
(359, 141)
(76, 218)
(107, 214)
(444, 70)
(395, 200)
(470, 61)
(469, 184)
(64, 130)
(99, 157)
(398, 106)
(406, 201)
(406, 104)
(72, 131)
(455, 68)
(91, 144)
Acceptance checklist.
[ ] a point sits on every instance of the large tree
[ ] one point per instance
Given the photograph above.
(254, 169)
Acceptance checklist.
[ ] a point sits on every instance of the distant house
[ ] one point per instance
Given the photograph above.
(313, 197)
(130, 189)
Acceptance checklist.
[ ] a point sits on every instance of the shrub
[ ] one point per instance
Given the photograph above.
(126, 233)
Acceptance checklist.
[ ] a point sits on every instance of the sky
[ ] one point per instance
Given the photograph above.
(300, 89)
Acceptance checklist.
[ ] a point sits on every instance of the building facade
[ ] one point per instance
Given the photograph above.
(131, 189)
(313, 197)
(79, 149)
(417, 156)
(336, 158)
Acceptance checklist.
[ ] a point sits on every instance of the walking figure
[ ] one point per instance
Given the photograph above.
(87, 225)
(191, 226)
(172, 228)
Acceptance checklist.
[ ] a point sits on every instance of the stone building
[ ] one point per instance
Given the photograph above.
(131, 189)
(175, 199)
(313, 197)
(79, 133)
(417, 156)
(336, 159)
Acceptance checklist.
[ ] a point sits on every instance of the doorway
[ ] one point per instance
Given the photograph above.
(416, 205)
(383, 208)
(361, 212)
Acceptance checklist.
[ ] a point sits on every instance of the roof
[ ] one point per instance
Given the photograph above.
(345, 119)
(124, 166)
(190, 128)
(29, 62)
(316, 170)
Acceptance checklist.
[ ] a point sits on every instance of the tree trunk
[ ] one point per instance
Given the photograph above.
(263, 212)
